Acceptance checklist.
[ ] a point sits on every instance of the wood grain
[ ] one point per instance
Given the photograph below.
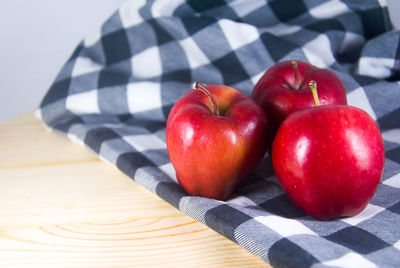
(60, 206)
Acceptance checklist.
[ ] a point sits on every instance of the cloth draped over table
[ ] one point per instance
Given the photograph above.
(114, 93)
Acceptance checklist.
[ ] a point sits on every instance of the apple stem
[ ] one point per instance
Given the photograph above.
(295, 69)
(313, 86)
(199, 86)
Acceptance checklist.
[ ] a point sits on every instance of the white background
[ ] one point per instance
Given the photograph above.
(37, 37)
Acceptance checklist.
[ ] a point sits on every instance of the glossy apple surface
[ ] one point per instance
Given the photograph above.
(283, 89)
(214, 143)
(329, 160)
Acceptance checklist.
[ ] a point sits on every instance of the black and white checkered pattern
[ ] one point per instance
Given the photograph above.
(115, 92)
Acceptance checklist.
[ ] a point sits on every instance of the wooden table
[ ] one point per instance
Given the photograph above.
(60, 206)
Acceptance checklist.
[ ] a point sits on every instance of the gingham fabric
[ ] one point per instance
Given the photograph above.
(115, 92)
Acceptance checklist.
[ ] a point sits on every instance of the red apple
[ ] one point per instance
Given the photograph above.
(329, 160)
(283, 89)
(215, 138)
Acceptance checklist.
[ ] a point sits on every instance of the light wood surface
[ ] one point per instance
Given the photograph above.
(60, 206)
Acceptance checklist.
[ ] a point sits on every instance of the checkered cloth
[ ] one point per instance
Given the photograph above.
(115, 92)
